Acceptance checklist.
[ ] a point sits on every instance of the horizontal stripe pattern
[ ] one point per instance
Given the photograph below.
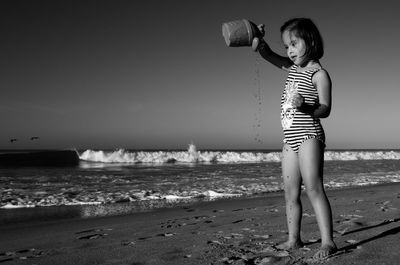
(299, 126)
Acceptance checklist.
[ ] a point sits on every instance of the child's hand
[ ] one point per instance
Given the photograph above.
(261, 28)
(255, 44)
(297, 100)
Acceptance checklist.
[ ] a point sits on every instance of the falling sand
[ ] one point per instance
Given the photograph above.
(258, 99)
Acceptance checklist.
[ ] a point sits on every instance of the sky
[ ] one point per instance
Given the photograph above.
(149, 74)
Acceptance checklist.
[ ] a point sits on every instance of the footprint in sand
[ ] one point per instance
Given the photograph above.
(166, 234)
(271, 210)
(243, 220)
(92, 233)
(385, 206)
(350, 221)
(172, 224)
(351, 241)
(242, 209)
(176, 223)
(189, 210)
(144, 238)
(349, 217)
(158, 235)
(268, 255)
(93, 236)
(127, 243)
(23, 254)
(262, 236)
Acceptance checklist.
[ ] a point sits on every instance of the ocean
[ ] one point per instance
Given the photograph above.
(109, 182)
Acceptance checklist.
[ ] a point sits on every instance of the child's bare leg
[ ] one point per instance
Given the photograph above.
(311, 161)
(292, 182)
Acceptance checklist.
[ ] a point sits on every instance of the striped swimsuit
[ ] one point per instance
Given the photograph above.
(299, 126)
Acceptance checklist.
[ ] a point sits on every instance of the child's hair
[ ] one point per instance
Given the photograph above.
(305, 29)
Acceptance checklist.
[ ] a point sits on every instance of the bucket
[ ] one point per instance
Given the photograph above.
(240, 32)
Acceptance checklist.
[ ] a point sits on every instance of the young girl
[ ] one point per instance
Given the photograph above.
(306, 99)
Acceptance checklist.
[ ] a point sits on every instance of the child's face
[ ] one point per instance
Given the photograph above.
(295, 48)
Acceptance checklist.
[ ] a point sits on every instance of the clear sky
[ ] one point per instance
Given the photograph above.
(158, 74)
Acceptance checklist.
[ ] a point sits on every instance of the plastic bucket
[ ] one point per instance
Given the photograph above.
(239, 32)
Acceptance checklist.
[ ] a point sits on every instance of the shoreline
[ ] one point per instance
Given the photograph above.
(92, 211)
(230, 231)
(96, 210)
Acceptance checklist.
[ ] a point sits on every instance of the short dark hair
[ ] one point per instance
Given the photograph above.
(305, 29)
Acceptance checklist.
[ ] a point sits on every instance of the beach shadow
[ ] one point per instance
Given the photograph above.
(355, 245)
(389, 232)
(385, 222)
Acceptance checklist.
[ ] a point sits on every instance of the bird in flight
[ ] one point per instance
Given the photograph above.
(13, 140)
(35, 138)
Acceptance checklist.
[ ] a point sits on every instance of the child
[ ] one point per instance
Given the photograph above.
(306, 99)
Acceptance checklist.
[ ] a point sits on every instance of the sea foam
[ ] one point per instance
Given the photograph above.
(194, 156)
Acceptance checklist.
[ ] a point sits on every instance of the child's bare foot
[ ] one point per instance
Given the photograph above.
(325, 251)
(290, 245)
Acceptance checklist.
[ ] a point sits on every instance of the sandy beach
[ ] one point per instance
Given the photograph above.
(232, 231)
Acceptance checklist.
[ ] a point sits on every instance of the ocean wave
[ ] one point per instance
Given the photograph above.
(362, 155)
(194, 156)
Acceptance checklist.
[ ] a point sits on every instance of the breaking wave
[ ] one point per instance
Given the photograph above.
(192, 155)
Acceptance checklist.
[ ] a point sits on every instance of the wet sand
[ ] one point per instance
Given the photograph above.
(234, 231)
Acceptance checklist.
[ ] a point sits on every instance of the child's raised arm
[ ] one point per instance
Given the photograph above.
(265, 51)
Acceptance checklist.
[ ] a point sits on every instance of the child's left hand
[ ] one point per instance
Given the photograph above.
(297, 100)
